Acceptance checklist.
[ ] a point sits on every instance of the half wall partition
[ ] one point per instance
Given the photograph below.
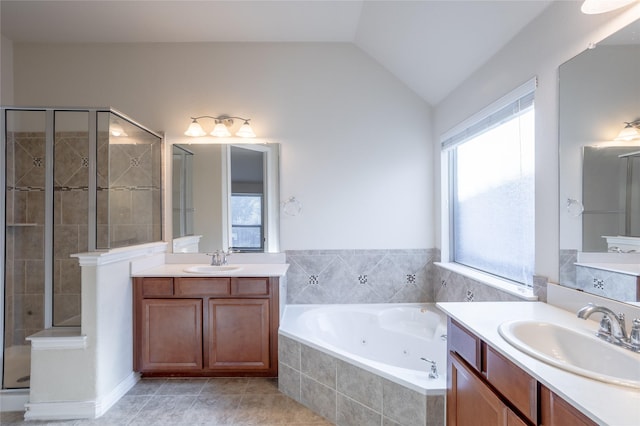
(75, 180)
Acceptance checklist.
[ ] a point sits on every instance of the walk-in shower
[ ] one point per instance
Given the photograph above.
(74, 180)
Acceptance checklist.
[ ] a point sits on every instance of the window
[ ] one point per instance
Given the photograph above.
(491, 189)
(246, 222)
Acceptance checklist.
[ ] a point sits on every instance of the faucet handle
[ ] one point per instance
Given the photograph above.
(621, 321)
(215, 258)
(634, 334)
(605, 326)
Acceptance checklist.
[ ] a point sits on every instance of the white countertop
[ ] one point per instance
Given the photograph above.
(245, 270)
(602, 402)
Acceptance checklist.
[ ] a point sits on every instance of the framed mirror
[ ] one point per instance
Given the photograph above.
(599, 172)
(225, 197)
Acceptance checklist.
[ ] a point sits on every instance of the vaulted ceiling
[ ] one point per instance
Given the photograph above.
(432, 46)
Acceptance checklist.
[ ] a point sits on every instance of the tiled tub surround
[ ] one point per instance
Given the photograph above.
(361, 276)
(349, 389)
(568, 259)
(385, 276)
(454, 287)
(587, 271)
(608, 283)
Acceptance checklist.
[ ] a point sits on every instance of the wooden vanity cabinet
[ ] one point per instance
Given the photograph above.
(470, 401)
(206, 326)
(485, 388)
(556, 411)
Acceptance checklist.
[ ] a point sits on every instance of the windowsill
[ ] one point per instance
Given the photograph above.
(490, 280)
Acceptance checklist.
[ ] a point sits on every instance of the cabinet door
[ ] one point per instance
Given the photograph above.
(238, 334)
(470, 402)
(171, 335)
(555, 411)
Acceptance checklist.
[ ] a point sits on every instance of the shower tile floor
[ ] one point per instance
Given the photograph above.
(214, 401)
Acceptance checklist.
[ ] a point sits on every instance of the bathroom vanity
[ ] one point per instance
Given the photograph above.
(491, 382)
(207, 324)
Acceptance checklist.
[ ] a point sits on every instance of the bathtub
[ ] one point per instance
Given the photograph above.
(389, 340)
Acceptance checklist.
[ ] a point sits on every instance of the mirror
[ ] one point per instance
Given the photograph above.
(599, 176)
(225, 196)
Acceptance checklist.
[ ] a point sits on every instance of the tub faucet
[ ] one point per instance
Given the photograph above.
(433, 372)
(612, 326)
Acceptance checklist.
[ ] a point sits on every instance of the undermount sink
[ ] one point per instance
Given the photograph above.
(574, 351)
(212, 269)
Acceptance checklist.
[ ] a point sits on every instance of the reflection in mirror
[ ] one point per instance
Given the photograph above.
(182, 191)
(612, 202)
(225, 196)
(247, 193)
(599, 92)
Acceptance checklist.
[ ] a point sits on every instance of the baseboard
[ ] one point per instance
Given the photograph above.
(68, 410)
(103, 405)
(11, 400)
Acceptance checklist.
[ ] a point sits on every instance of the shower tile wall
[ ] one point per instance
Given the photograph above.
(129, 196)
(70, 217)
(25, 199)
(24, 236)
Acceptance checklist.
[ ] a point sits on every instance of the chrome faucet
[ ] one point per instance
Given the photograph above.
(612, 327)
(220, 257)
(433, 372)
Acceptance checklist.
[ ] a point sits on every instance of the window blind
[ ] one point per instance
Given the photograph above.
(504, 109)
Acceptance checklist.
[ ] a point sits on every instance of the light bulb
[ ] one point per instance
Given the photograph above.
(195, 129)
(629, 133)
(246, 131)
(220, 130)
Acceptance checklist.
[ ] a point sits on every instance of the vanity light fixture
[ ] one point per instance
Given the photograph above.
(630, 132)
(221, 129)
(593, 7)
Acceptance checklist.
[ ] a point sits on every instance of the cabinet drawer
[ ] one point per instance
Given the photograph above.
(250, 286)
(464, 344)
(513, 383)
(202, 286)
(153, 287)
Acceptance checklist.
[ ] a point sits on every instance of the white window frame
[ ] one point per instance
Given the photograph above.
(261, 226)
(450, 140)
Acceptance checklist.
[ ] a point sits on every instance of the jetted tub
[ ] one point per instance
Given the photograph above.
(388, 340)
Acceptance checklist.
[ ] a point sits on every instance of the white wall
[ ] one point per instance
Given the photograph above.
(356, 142)
(6, 71)
(558, 34)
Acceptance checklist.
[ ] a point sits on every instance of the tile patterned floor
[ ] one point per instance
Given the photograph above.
(192, 402)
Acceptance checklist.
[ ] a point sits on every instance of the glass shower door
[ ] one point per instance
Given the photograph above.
(25, 236)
